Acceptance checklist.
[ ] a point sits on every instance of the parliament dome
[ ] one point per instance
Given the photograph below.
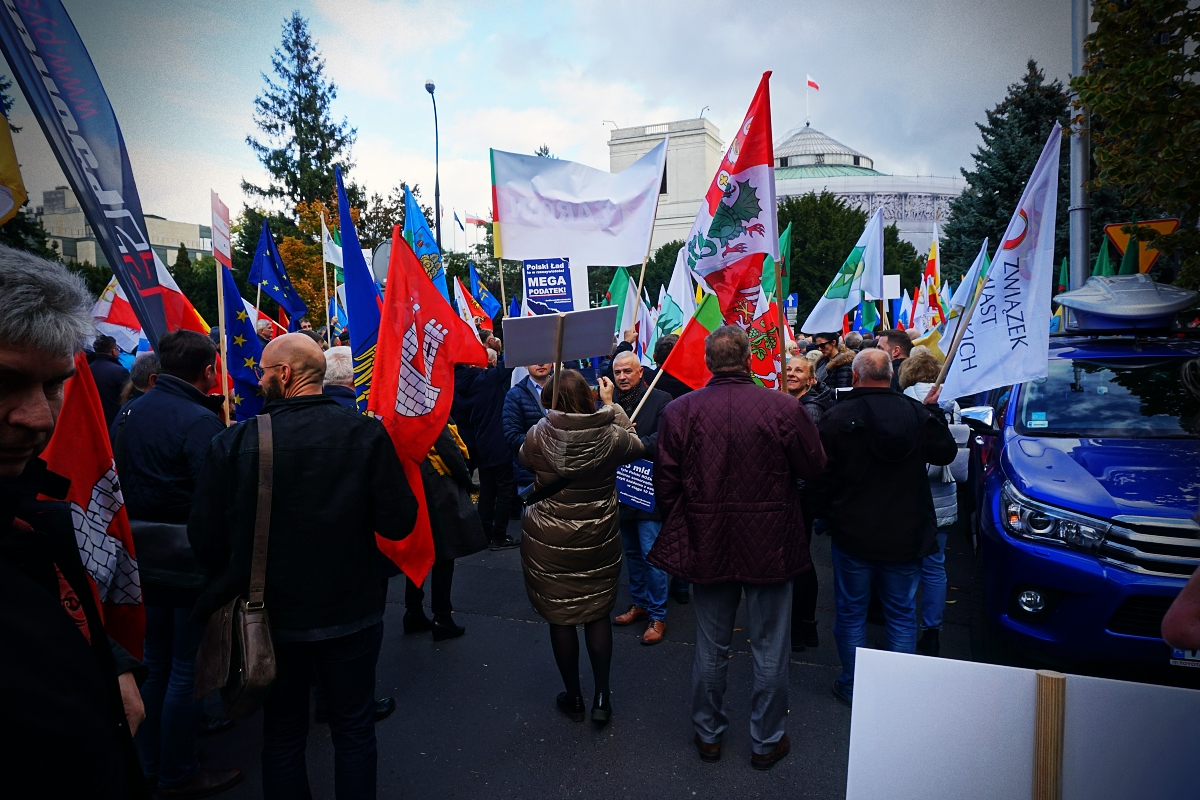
(807, 153)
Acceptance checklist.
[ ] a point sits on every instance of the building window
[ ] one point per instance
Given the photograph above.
(820, 158)
(856, 161)
(783, 162)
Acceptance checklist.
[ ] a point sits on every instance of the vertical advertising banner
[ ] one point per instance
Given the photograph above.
(60, 82)
(220, 232)
(548, 286)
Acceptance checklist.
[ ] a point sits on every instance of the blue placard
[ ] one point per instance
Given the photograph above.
(548, 286)
(635, 485)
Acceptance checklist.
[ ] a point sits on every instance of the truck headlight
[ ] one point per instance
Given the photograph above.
(1030, 519)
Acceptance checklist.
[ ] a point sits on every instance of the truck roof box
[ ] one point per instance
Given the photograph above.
(1125, 303)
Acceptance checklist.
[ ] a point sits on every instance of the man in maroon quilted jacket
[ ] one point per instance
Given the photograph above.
(725, 482)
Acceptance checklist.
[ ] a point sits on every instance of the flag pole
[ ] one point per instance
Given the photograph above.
(503, 301)
(783, 357)
(959, 332)
(558, 337)
(325, 289)
(224, 336)
(658, 374)
(883, 314)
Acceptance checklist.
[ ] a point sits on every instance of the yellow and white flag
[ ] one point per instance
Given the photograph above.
(12, 188)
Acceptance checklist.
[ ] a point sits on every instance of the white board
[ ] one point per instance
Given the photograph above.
(530, 340)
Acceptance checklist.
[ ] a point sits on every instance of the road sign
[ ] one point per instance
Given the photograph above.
(1147, 255)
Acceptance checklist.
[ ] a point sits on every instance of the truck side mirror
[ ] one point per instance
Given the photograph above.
(981, 420)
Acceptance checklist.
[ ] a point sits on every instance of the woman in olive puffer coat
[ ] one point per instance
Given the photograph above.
(571, 547)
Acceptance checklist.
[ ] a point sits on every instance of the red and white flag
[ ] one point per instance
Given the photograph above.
(80, 452)
(812, 84)
(736, 227)
(114, 314)
(421, 339)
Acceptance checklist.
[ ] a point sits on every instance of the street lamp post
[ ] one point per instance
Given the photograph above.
(437, 183)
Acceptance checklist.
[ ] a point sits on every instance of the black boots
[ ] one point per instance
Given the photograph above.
(804, 634)
(571, 706)
(601, 709)
(930, 642)
(444, 628)
(416, 622)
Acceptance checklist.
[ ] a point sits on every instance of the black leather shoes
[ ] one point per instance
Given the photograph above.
(768, 760)
(384, 708)
(602, 709)
(709, 753)
(444, 628)
(416, 622)
(571, 706)
(505, 543)
(930, 642)
(202, 784)
(804, 635)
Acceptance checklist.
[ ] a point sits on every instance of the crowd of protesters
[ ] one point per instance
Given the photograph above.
(743, 478)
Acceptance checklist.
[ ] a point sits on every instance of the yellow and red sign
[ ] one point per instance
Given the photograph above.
(1147, 255)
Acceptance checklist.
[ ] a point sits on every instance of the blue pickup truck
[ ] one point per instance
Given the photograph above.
(1086, 485)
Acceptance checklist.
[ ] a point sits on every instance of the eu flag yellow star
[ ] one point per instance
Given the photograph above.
(276, 288)
(250, 362)
(239, 340)
(264, 281)
(242, 315)
(237, 399)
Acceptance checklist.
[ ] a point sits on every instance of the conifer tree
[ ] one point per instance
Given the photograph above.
(301, 144)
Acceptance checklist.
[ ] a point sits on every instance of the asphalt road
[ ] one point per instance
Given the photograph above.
(476, 715)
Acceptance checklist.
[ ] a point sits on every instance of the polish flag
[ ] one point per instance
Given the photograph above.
(812, 84)
(114, 315)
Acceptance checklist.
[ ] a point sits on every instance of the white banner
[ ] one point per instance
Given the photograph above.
(550, 208)
(1008, 339)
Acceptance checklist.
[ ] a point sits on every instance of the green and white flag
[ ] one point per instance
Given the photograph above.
(670, 316)
(858, 282)
(622, 293)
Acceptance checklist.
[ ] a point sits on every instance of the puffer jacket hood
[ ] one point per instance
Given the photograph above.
(573, 444)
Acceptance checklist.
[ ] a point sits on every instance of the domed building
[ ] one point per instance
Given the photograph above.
(806, 160)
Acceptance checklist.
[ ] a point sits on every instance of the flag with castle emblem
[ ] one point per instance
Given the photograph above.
(736, 227)
(421, 339)
(79, 451)
(243, 350)
(267, 271)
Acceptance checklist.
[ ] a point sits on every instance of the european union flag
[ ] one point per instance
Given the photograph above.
(491, 306)
(243, 351)
(268, 272)
(363, 302)
(420, 239)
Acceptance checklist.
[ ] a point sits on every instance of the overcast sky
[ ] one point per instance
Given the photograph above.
(903, 82)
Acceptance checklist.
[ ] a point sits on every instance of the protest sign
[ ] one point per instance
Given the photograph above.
(635, 485)
(531, 340)
(548, 285)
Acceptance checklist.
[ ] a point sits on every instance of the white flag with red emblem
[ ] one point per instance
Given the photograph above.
(736, 227)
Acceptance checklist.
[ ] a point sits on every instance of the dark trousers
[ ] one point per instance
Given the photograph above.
(167, 739)
(345, 670)
(441, 577)
(497, 494)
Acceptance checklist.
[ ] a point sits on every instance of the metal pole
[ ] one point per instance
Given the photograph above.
(224, 337)
(1080, 210)
(437, 181)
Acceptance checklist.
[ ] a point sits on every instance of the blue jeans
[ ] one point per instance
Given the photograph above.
(647, 583)
(167, 739)
(345, 670)
(933, 584)
(769, 614)
(895, 583)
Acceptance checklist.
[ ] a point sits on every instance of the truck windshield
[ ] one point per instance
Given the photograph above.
(1123, 398)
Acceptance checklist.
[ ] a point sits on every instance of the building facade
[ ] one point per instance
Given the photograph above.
(68, 231)
(806, 160)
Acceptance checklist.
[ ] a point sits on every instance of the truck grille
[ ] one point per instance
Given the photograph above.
(1153, 545)
(1140, 615)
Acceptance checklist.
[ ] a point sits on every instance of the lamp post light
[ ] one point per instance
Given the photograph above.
(437, 184)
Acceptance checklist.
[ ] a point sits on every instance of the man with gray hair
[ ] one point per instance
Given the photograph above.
(875, 430)
(725, 481)
(73, 703)
(339, 377)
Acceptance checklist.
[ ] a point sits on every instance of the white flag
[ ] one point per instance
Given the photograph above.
(1008, 339)
(464, 308)
(550, 208)
(331, 251)
(861, 274)
(965, 292)
(682, 290)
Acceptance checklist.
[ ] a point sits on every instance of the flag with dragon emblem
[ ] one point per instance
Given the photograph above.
(736, 227)
(420, 239)
(421, 339)
(80, 452)
(856, 284)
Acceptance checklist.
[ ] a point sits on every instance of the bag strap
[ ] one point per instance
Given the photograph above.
(262, 516)
(546, 492)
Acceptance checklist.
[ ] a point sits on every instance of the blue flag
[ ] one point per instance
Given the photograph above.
(243, 349)
(459, 221)
(363, 302)
(514, 308)
(267, 271)
(419, 238)
(60, 82)
(491, 306)
(337, 317)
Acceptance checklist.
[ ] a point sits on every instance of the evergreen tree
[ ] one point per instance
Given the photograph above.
(181, 258)
(302, 144)
(824, 231)
(1013, 137)
(96, 277)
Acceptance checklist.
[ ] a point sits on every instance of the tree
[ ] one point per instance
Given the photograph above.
(544, 152)
(182, 261)
(379, 215)
(658, 272)
(824, 231)
(1013, 137)
(1140, 88)
(302, 144)
(96, 277)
